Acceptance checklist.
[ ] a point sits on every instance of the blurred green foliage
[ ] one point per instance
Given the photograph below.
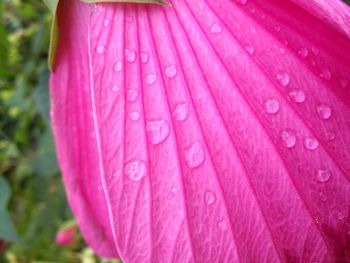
(32, 199)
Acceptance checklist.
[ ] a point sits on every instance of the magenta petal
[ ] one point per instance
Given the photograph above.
(211, 131)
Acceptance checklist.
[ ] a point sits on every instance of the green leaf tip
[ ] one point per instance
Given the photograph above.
(53, 4)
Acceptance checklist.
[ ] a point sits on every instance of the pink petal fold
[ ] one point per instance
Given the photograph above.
(209, 131)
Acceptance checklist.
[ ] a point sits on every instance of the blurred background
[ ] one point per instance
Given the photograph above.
(36, 224)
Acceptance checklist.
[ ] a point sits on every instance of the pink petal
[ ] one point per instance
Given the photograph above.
(211, 131)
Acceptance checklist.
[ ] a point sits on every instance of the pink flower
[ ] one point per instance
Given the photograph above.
(208, 131)
(65, 237)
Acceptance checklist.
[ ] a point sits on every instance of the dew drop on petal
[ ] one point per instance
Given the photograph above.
(272, 106)
(194, 155)
(288, 138)
(216, 28)
(132, 94)
(324, 111)
(135, 115)
(297, 95)
(310, 143)
(130, 55)
(283, 79)
(303, 52)
(135, 170)
(144, 57)
(326, 74)
(249, 49)
(171, 71)
(118, 66)
(323, 175)
(209, 198)
(100, 49)
(181, 111)
(340, 215)
(151, 78)
(157, 131)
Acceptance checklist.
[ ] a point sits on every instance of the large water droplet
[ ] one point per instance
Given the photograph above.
(216, 28)
(324, 111)
(297, 95)
(135, 170)
(130, 55)
(209, 198)
(310, 143)
(323, 175)
(283, 79)
(151, 78)
(132, 94)
(170, 71)
(157, 131)
(100, 49)
(272, 106)
(195, 155)
(118, 66)
(181, 111)
(288, 138)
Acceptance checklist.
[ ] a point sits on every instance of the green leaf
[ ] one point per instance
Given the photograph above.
(52, 5)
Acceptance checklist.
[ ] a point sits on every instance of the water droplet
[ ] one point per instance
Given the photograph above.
(130, 55)
(100, 49)
(209, 197)
(194, 155)
(315, 50)
(144, 57)
(249, 49)
(340, 215)
(330, 136)
(132, 95)
(288, 138)
(310, 143)
(222, 225)
(303, 52)
(216, 28)
(181, 111)
(106, 22)
(135, 115)
(151, 78)
(157, 131)
(282, 50)
(324, 111)
(277, 28)
(297, 95)
(326, 74)
(115, 88)
(171, 71)
(118, 66)
(323, 175)
(323, 196)
(283, 79)
(272, 106)
(135, 170)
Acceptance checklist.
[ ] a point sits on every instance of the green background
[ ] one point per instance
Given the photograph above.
(32, 199)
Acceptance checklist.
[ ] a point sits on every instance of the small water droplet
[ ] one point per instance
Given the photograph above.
(249, 49)
(151, 78)
(216, 28)
(323, 175)
(181, 111)
(135, 115)
(157, 131)
(288, 138)
(115, 88)
(310, 143)
(194, 155)
(330, 136)
(135, 170)
(100, 49)
(209, 197)
(130, 55)
(277, 28)
(118, 66)
(106, 22)
(144, 57)
(222, 225)
(326, 74)
(297, 95)
(272, 106)
(283, 79)
(323, 196)
(340, 215)
(171, 71)
(132, 95)
(315, 50)
(282, 50)
(324, 111)
(303, 52)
